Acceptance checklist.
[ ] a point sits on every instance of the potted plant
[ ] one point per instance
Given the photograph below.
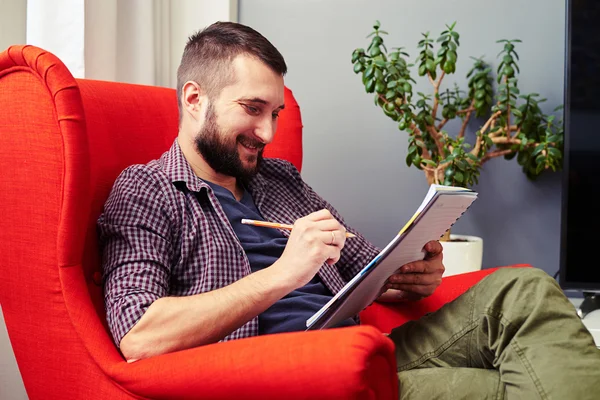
(512, 125)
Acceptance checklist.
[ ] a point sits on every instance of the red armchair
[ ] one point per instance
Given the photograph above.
(62, 143)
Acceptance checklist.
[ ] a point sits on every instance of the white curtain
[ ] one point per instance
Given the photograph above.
(57, 26)
(135, 41)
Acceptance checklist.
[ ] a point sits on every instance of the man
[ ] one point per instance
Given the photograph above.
(182, 271)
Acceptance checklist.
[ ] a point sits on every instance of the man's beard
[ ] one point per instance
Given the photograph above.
(222, 156)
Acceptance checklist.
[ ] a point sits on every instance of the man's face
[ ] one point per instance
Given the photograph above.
(220, 150)
(241, 120)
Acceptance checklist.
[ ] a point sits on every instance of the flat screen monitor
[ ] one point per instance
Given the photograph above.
(580, 236)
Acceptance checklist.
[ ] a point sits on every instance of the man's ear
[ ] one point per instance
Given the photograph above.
(193, 98)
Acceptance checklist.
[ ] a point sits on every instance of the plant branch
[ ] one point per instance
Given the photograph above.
(505, 140)
(507, 107)
(501, 132)
(436, 135)
(466, 110)
(441, 124)
(417, 132)
(485, 126)
(463, 128)
(436, 91)
(495, 153)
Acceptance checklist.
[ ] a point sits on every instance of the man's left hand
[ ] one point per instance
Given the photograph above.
(417, 279)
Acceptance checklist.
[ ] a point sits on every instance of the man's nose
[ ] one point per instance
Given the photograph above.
(266, 130)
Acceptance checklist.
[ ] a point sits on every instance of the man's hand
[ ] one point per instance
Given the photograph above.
(417, 279)
(316, 238)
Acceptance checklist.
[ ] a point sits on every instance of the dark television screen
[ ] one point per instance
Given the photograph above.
(580, 261)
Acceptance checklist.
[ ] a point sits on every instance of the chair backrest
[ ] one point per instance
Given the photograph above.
(62, 144)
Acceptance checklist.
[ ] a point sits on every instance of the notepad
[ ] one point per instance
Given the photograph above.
(440, 209)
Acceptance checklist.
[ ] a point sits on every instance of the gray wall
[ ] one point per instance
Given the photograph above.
(354, 155)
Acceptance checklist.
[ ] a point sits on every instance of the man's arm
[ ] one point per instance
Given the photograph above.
(177, 323)
(137, 234)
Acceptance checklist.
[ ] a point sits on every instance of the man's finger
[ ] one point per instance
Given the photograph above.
(433, 248)
(415, 279)
(418, 267)
(319, 215)
(422, 290)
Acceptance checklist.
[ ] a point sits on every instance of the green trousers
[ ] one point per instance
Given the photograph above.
(514, 335)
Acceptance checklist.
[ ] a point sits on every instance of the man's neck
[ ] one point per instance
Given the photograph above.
(205, 172)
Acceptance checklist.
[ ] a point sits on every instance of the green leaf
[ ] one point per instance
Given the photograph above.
(458, 177)
(451, 56)
(369, 71)
(375, 51)
(538, 149)
(554, 152)
(370, 86)
(554, 138)
(430, 65)
(539, 168)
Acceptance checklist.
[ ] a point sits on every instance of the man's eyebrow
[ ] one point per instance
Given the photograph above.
(260, 101)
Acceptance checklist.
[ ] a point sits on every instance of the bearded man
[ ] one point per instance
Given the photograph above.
(180, 270)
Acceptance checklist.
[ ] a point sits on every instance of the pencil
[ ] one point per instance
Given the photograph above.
(277, 225)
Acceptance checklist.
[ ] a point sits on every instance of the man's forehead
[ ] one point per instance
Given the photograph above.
(255, 80)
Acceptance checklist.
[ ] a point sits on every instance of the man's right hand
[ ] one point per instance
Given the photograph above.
(315, 239)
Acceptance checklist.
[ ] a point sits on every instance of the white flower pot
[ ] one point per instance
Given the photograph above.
(462, 256)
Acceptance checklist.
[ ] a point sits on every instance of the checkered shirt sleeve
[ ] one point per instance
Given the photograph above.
(135, 234)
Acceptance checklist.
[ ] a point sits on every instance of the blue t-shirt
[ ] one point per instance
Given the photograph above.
(263, 246)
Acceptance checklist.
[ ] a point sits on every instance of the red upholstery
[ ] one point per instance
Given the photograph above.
(62, 144)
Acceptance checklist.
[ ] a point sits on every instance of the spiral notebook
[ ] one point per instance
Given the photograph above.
(441, 208)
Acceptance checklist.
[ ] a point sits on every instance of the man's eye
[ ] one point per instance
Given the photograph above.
(251, 109)
(275, 115)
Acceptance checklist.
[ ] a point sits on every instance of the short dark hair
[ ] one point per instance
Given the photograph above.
(208, 55)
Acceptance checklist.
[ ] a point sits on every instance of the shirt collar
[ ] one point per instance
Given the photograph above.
(178, 169)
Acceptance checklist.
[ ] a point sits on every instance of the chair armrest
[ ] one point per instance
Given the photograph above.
(387, 316)
(346, 363)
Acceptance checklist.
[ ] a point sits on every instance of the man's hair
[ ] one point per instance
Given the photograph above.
(208, 55)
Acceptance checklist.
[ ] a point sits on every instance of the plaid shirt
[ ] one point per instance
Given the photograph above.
(164, 233)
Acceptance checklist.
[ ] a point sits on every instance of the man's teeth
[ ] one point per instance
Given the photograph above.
(249, 146)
